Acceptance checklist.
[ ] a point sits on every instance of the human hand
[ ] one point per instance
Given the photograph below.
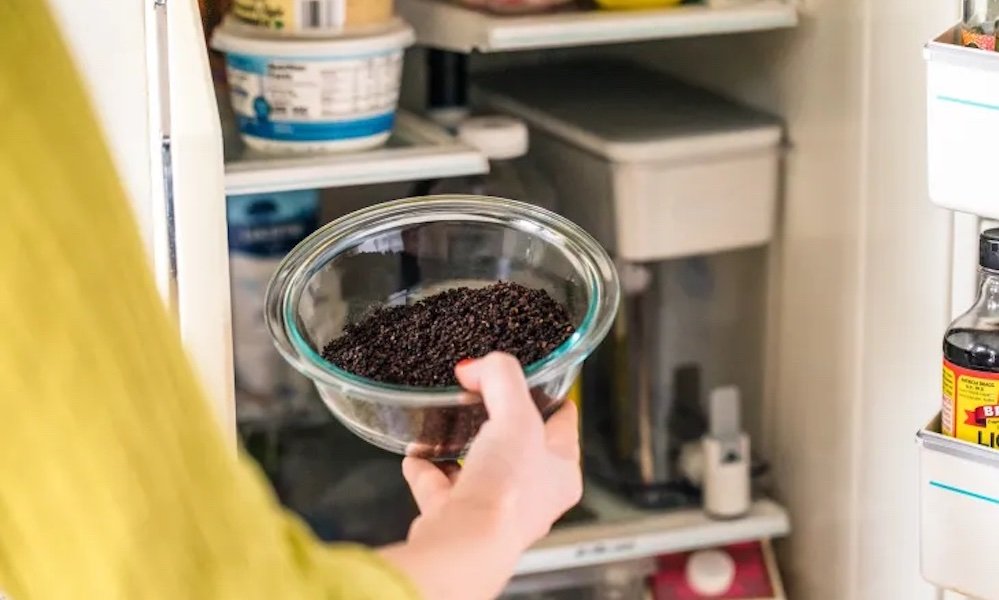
(519, 476)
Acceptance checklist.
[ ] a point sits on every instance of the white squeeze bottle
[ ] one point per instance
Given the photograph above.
(726, 485)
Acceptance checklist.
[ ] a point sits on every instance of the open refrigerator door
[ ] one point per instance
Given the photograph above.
(959, 480)
(146, 68)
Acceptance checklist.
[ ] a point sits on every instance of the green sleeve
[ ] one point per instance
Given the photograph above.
(115, 482)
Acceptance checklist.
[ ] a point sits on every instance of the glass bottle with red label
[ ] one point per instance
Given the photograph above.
(970, 408)
(978, 24)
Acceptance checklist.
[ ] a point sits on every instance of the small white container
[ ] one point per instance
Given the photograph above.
(958, 508)
(653, 168)
(313, 94)
(962, 108)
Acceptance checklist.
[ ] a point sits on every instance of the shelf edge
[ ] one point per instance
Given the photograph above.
(767, 520)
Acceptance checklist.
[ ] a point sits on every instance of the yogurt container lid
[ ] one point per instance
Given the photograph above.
(625, 112)
(239, 38)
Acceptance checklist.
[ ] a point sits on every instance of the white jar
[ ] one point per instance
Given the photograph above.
(313, 94)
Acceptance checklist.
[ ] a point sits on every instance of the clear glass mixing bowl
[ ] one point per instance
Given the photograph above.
(402, 251)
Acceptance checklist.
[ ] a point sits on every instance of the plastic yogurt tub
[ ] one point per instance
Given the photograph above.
(313, 94)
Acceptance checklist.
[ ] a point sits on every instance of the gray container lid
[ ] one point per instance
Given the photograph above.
(625, 112)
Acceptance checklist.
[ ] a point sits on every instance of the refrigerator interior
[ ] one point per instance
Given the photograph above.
(862, 275)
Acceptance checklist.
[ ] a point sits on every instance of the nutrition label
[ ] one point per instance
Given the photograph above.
(304, 91)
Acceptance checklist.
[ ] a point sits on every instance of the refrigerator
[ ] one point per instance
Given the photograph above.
(863, 273)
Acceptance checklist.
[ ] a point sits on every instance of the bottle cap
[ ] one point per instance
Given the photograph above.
(988, 249)
(499, 138)
(723, 412)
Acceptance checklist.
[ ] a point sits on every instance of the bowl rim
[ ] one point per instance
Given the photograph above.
(285, 288)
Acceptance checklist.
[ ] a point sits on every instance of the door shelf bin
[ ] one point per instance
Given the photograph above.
(962, 125)
(959, 510)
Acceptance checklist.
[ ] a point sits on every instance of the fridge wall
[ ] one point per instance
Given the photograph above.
(862, 293)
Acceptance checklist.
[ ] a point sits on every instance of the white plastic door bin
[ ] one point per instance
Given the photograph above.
(962, 108)
(959, 509)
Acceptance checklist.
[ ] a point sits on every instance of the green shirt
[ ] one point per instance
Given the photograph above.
(115, 482)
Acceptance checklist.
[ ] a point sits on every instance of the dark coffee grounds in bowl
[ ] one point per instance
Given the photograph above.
(419, 344)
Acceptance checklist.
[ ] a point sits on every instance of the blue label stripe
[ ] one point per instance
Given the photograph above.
(972, 103)
(251, 64)
(963, 492)
(316, 131)
(258, 63)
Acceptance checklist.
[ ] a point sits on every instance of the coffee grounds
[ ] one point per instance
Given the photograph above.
(419, 344)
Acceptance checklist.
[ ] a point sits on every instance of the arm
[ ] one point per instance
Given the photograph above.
(519, 476)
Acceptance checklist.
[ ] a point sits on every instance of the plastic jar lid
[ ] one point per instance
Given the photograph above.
(499, 138)
(238, 38)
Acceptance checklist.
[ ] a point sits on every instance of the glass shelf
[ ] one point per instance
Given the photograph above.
(446, 25)
(418, 150)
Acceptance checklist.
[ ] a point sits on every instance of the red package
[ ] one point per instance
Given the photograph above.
(750, 566)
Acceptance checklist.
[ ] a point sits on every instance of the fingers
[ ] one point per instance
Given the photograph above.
(451, 470)
(430, 486)
(562, 431)
(500, 380)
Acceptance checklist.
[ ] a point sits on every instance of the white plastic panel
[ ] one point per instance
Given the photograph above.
(958, 505)
(122, 51)
(108, 42)
(195, 207)
(963, 124)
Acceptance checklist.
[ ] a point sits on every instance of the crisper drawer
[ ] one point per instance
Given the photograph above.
(664, 209)
(963, 126)
(959, 510)
(673, 209)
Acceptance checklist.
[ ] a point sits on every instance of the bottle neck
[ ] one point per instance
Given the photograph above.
(988, 289)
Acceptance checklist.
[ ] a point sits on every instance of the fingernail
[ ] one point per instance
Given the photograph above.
(464, 363)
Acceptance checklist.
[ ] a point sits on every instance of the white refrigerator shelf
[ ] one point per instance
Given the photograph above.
(443, 24)
(418, 150)
(622, 532)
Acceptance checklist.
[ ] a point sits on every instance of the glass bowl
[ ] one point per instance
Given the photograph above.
(402, 251)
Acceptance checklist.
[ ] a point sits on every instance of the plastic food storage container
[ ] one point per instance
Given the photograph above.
(515, 6)
(309, 16)
(652, 167)
(402, 251)
(313, 94)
